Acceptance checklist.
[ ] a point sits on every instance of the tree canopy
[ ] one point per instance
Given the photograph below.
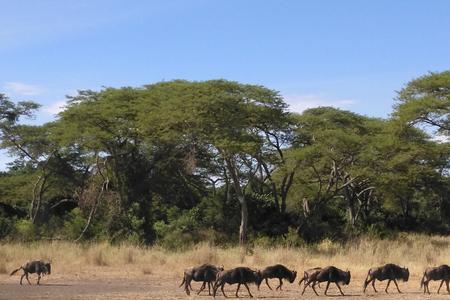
(181, 162)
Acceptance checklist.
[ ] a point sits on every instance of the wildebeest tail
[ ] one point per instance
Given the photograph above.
(184, 280)
(423, 279)
(15, 271)
(305, 275)
(366, 282)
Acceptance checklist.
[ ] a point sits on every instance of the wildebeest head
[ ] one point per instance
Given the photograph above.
(405, 274)
(219, 270)
(346, 277)
(48, 268)
(258, 277)
(293, 276)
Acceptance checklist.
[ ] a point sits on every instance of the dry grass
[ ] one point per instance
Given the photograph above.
(147, 270)
(3, 269)
(414, 251)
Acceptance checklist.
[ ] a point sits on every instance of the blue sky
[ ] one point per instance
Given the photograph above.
(349, 54)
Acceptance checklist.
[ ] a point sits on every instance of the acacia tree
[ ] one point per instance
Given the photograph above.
(332, 181)
(102, 125)
(226, 117)
(408, 170)
(327, 147)
(120, 157)
(426, 101)
(27, 142)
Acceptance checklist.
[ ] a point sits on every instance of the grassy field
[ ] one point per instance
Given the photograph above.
(414, 251)
(103, 262)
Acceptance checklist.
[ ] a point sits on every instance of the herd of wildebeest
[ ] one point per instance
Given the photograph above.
(216, 276)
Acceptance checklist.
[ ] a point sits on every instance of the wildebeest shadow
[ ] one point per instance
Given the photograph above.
(340, 296)
(272, 297)
(55, 284)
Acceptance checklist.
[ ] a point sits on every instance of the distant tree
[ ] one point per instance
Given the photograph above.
(426, 101)
(328, 149)
(409, 171)
(234, 121)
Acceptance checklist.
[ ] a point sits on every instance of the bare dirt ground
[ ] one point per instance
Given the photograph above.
(133, 286)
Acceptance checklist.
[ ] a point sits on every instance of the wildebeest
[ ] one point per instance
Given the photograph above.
(391, 272)
(206, 273)
(307, 274)
(240, 275)
(280, 272)
(435, 273)
(31, 267)
(328, 274)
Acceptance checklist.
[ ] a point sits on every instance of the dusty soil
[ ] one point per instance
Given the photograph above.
(123, 286)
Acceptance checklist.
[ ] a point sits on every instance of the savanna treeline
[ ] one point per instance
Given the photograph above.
(180, 162)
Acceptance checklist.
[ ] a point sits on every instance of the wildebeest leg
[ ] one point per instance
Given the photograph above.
(314, 283)
(395, 281)
(26, 276)
(186, 287)
(209, 288)
(202, 288)
(373, 285)
(281, 283)
(339, 289)
(305, 286)
(215, 287)
(237, 290)
(442, 282)
(326, 289)
(39, 278)
(251, 296)
(21, 278)
(267, 282)
(448, 290)
(223, 292)
(301, 280)
(386, 290)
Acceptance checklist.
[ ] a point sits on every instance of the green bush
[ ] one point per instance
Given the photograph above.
(74, 224)
(6, 226)
(25, 230)
(290, 239)
(184, 228)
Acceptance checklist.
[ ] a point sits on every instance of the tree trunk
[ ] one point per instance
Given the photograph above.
(244, 223)
(232, 169)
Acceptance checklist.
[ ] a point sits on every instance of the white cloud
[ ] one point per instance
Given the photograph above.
(54, 108)
(20, 88)
(299, 103)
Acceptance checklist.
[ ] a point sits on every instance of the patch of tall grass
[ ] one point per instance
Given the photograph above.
(412, 250)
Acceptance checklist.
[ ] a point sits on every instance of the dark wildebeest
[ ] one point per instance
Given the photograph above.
(389, 271)
(206, 273)
(31, 267)
(240, 275)
(436, 273)
(328, 274)
(307, 274)
(280, 272)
